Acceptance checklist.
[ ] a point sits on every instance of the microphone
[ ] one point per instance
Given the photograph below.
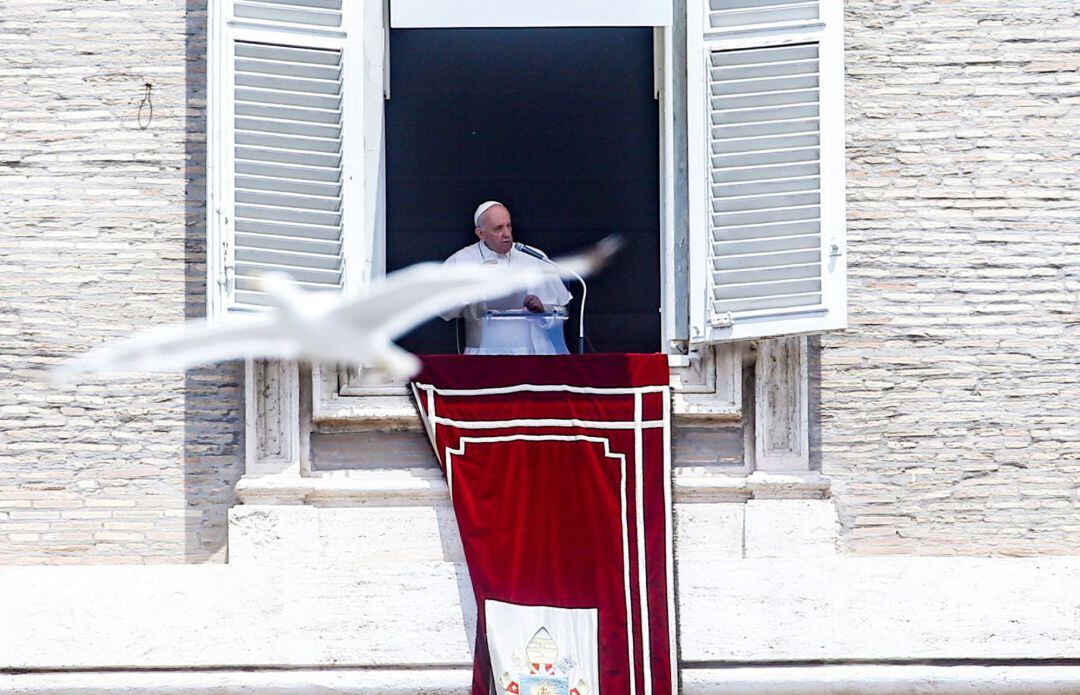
(530, 251)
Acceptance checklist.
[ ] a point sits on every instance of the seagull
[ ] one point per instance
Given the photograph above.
(323, 326)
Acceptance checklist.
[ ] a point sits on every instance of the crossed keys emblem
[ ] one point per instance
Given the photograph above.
(542, 671)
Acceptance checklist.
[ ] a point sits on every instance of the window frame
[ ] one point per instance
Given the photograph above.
(673, 325)
(431, 14)
(706, 380)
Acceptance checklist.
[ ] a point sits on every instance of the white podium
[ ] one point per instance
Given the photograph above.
(518, 332)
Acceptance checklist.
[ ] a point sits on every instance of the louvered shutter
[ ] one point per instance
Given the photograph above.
(766, 168)
(279, 113)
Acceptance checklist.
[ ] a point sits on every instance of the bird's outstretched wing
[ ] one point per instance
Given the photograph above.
(177, 347)
(410, 296)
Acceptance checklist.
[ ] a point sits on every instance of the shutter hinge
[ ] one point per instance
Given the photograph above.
(834, 249)
(723, 320)
(227, 266)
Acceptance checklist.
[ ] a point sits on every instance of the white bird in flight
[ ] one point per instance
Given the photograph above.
(325, 327)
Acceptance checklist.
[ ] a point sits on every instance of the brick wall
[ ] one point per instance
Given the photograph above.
(103, 233)
(951, 409)
(949, 416)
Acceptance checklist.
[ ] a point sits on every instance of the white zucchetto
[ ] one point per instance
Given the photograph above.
(484, 207)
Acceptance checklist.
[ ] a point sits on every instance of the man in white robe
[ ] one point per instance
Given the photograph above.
(526, 336)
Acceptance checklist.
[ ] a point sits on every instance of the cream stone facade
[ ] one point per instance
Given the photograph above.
(942, 422)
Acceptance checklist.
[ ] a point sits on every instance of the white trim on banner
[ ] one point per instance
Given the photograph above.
(608, 454)
(434, 14)
(639, 515)
(543, 388)
(547, 422)
(670, 546)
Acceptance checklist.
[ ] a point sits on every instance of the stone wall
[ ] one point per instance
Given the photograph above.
(951, 408)
(948, 412)
(102, 212)
(889, 626)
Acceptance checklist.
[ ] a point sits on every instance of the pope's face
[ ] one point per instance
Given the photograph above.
(495, 229)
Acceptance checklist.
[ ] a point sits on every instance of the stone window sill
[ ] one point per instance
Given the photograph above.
(427, 487)
(706, 387)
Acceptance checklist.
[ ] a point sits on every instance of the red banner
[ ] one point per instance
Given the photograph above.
(559, 472)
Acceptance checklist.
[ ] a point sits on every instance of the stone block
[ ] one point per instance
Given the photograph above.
(709, 530)
(791, 528)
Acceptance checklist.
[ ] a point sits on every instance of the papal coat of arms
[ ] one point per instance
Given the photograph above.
(542, 670)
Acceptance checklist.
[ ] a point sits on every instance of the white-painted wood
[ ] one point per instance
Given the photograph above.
(365, 236)
(428, 14)
(781, 410)
(664, 59)
(307, 12)
(354, 117)
(697, 169)
(302, 188)
(219, 160)
(725, 15)
(216, 79)
(833, 167)
(735, 296)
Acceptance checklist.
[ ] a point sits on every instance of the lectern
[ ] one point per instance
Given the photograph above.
(520, 332)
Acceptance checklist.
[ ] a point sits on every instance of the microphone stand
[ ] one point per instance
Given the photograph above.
(529, 251)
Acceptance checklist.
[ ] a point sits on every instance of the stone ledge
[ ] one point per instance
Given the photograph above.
(348, 489)
(389, 413)
(345, 681)
(781, 679)
(364, 413)
(883, 679)
(389, 488)
(705, 389)
(416, 615)
(697, 485)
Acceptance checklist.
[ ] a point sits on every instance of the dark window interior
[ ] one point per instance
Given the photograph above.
(560, 125)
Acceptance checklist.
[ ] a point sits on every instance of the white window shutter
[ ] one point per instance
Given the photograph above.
(766, 168)
(279, 146)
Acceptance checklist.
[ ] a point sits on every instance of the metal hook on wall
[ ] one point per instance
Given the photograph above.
(148, 105)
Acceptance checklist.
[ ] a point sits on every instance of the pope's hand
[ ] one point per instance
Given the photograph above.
(533, 303)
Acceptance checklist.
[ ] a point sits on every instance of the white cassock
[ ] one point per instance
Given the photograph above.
(517, 337)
